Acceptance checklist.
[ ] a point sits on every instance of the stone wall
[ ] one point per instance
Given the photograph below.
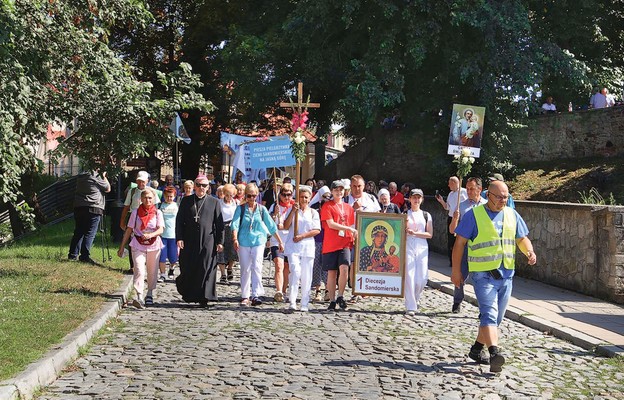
(579, 247)
(570, 135)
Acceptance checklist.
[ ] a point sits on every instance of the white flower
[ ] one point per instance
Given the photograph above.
(464, 160)
(456, 156)
(472, 160)
(465, 152)
(299, 139)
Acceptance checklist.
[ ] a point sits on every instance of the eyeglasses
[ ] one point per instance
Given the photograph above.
(204, 185)
(250, 196)
(286, 194)
(498, 197)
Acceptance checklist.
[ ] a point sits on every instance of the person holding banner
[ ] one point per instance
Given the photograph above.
(450, 205)
(419, 229)
(279, 211)
(250, 225)
(338, 221)
(300, 247)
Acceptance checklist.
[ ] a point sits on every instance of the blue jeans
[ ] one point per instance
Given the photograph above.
(84, 233)
(493, 297)
(169, 251)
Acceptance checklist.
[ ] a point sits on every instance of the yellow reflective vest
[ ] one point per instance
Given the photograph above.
(488, 249)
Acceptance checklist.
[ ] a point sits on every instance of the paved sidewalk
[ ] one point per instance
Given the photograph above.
(587, 322)
(370, 351)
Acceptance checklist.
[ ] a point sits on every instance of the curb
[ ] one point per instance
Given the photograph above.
(45, 371)
(573, 336)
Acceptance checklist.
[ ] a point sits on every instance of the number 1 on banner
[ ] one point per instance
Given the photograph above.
(360, 281)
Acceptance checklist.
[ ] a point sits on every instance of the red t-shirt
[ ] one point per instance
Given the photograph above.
(342, 214)
(398, 199)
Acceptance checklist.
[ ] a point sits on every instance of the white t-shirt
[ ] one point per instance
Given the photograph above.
(135, 201)
(308, 220)
(451, 200)
(549, 107)
(367, 202)
(228, 210)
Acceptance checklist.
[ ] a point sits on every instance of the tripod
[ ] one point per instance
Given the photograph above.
(104, 238)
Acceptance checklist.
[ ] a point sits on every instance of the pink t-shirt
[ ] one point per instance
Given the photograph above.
(152, 225)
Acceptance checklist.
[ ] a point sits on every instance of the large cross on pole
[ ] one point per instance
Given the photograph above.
(298, 108)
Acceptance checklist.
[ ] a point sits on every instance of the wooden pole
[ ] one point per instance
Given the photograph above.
(297, 180)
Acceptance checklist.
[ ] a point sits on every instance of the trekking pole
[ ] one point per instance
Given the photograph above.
(106, 238)
(102, 237)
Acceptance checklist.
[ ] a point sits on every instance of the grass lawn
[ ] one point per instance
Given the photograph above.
(43, 297)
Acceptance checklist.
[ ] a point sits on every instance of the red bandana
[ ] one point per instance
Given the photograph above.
(145, 214)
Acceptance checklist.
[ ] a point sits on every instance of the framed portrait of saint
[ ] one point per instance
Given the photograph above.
(466, 129)
(379, 266)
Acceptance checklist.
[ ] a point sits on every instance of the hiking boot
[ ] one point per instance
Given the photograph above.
(456, 308)
(341, 302)
(332, 306)
(171, 275)
(496, 363)
(480, 357)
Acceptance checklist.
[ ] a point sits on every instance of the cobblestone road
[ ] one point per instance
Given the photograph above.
(370, 351)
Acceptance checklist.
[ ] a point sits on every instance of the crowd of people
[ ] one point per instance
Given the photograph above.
(208, 227)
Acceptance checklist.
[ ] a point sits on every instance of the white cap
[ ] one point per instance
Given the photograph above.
(142, 176)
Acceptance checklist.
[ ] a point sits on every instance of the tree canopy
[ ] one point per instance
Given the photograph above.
(56, 64)
(121, 67)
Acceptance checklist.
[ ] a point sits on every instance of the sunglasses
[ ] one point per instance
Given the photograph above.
(249, 196)
(204, 185)
(286, 194)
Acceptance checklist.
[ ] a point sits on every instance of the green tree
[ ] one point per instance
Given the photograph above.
(56, 64)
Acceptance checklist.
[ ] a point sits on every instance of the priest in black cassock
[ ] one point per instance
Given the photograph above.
(199, 234)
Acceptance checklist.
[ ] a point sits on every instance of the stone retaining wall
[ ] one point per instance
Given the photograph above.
(579, 247)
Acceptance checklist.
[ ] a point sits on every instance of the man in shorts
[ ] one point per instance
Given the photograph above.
(338, 222)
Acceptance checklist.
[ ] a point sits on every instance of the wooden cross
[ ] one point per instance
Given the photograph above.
(299, 107)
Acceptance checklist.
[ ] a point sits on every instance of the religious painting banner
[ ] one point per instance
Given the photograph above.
(379, 267)
(273, 153)
(466, 129)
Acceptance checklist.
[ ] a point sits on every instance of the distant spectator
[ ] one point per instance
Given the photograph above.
(382, 185)
(549, 107)
(601, 99)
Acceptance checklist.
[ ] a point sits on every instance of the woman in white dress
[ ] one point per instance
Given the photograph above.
(300, 248)
(419, 229)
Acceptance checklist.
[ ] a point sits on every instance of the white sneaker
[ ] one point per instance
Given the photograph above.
(292, 307)
(304, 309)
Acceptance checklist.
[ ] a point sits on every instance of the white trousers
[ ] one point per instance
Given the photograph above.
(300, 269)
(144, 261)
(250, 259)
(416, 271)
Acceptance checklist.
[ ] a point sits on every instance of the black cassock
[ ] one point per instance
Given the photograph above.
(199, 224)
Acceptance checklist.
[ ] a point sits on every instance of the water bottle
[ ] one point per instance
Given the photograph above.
(570, 107)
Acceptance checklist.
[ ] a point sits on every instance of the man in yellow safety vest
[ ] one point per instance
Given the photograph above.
(491, 232)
